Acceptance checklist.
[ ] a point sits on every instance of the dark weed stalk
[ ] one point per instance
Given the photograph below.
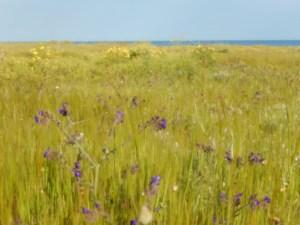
(44, 118)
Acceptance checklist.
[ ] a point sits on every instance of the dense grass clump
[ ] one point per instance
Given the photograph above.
(137, 134)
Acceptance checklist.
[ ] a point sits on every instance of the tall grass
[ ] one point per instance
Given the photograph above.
(233, 127)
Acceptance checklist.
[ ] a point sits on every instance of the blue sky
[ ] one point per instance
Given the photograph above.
(91, 20)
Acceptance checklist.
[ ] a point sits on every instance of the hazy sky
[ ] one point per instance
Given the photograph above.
(91, 20)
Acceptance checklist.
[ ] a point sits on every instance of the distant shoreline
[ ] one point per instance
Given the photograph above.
(208, 42)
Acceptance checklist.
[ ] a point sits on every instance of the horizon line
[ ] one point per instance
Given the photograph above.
(150, 41)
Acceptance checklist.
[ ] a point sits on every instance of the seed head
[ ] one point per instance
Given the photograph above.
(228, 156)
(237, 199)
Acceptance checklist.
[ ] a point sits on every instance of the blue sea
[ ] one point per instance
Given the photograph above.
(213, 42)
(232, 42)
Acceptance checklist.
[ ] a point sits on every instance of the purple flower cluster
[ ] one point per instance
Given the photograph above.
(77, 170)
(255, 158)
(253, 202)
(205, 148)
(42, 117)
(85, 210)
(91, 215)
(157, 122)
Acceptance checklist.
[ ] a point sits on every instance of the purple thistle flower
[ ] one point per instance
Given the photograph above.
(133, 222)
(157, 122)
(47, 153)
(86, 211)
(76, 170)
(90, 215)
(162, 124)
(155, 181)
(63, 110)
(42, 117)
(77, 174)
(237, 199)
(97, 205)
(266, 200)
(119, 117)
(36, 119)
(254, 202)
(50, 154)
(255, 158)
(153, 185)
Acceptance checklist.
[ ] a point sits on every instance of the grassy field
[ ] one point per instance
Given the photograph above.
(137, 134)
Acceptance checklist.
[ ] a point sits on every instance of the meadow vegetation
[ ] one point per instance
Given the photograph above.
(138, 134)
